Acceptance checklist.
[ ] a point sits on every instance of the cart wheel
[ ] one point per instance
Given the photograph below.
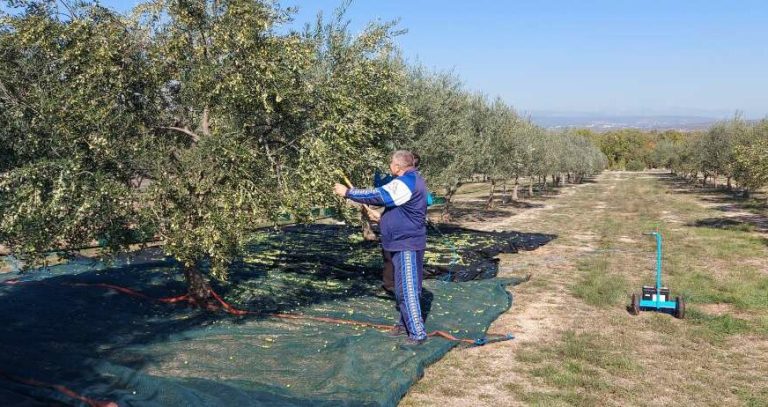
(634, 308)
(680, 308)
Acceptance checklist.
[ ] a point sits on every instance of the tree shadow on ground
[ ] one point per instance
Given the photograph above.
(470, 207)
(475, 212)
(500, 201)
(474, 209)
(744, 223)
(683, 186)
(61, 326)
(731, 202)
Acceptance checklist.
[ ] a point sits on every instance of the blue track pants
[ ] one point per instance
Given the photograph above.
(409, 271)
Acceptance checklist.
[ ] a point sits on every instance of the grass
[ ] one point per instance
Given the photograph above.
(726, 245)
(597, 286)
(715, 328)
(705, 265)
(578, 366)
(592, 352)
(755, 398)
(561, 398)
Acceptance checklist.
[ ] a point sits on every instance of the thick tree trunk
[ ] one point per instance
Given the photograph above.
(728, 185)
(445, 214)
(530, 187)
(367, 227)
(198, 289)
(504, 194)
(489, 202)
(515, 189)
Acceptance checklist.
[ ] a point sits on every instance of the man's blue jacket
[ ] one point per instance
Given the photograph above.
(404, 222)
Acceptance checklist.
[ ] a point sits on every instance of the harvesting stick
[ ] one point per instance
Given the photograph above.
(346, 180)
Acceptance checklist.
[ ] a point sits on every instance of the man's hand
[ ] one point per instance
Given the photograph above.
(340, 190)
(373, 215)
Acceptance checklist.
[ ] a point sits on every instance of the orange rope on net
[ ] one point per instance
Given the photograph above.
(59, 388)
(237, 311)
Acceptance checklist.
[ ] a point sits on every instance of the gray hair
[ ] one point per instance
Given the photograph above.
(403, 159)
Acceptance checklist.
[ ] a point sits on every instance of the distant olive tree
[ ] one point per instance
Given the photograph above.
(751, 158)
(460, 134)
(442, 132)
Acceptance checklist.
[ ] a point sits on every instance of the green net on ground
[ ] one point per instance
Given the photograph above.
(71, 337)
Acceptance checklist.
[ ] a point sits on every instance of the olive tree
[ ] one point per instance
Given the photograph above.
(189, 121)
(441, 130)
(74, 101)
(751, 158)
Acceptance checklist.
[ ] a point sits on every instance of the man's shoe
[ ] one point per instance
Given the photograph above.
(397, 330)
(388, 291)
(411, 342)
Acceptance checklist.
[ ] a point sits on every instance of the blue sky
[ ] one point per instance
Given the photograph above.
(613, 56)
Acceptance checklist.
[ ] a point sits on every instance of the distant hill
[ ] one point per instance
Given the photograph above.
(607, 122)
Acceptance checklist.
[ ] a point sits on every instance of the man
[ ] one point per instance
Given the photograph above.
(388, 275)
(403, 235)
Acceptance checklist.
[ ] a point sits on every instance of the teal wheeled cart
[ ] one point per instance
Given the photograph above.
(657, 298)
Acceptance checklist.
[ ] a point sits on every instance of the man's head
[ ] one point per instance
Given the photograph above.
(402, 161)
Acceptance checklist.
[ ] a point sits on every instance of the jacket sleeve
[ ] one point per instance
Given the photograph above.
(394, 193)
(371, 196)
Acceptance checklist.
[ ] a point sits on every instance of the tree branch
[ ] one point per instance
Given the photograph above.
(204, 124)
(190, 133)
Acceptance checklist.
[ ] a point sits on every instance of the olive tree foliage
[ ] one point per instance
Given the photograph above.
(358, 106)
(506, 148)
(625, 146)
(522, 158)
(665, 153)
(192, 121)
(231, 89)
(715, 149)
(565, 154)
(487, 127)
(271, 118)
(442, 132)
(580, 157)
(459, 133)
(733, 149)
(750, 155)
(74, 100)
